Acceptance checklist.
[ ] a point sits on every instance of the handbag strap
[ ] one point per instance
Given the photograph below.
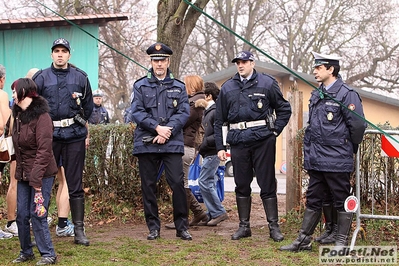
(8, 126)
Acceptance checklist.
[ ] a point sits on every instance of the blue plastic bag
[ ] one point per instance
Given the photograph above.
(220, 182)
(193, 175)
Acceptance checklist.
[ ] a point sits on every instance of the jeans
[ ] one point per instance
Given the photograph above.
(26, 211)
(207, 183)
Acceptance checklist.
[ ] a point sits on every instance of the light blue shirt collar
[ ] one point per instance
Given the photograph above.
(329, 86)
(247, 78)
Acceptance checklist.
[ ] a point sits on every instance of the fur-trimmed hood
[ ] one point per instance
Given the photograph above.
(37, 107)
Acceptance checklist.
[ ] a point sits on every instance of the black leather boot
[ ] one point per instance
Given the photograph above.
(344, 226)
(270, 206)
(344, 222)
(330, 217)
(244, 211)
(78, 212)
(330, 239)
(304, 239)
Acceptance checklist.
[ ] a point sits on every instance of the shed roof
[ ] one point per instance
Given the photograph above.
(40, 22)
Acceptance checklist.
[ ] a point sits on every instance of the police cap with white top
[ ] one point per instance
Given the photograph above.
(159, 51)
(97, 93)
(323, 59)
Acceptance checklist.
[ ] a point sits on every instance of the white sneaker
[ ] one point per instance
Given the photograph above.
(66, 231)
(5, 235)
(12, 229)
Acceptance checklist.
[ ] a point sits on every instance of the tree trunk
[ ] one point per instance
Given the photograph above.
(176, 21)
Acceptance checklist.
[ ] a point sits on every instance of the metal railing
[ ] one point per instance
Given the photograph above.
(375, 177)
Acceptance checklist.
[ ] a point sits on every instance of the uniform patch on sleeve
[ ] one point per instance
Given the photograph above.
(351, 107)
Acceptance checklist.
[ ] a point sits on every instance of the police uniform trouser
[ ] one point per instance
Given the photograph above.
(259, 156)
(321, 183)
(73, 159)
(148, 167)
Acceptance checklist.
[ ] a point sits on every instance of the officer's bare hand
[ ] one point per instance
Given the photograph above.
(87, 142)
(222, 155)
(159, 139)
(164, 131)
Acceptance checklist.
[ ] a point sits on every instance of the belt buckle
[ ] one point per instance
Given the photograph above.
(64, 123)
(241, 125)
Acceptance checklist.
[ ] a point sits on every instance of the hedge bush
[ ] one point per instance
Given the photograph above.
(111, 171)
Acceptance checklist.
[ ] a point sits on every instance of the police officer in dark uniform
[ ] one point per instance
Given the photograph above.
(247, 103)
(160, 108)
(334, 131)
(99, 114)
(68, 92)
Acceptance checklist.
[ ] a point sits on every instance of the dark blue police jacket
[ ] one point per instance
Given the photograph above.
(333, 130)
(159, 102)
(58, 86)
(253, 101)
(99, 116)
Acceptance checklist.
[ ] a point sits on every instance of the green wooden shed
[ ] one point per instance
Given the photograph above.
(26, 43)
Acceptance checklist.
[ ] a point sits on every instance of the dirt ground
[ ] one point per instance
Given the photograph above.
(139, 229)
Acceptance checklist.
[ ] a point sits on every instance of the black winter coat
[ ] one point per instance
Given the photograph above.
(208, 145)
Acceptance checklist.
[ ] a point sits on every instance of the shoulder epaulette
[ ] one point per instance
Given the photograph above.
(37, 74)
(179, 81)
(140, 79)
(347, 87)
(227, 80)
(267, 75)
(81, 71)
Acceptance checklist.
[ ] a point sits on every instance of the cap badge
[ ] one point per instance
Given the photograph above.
(61, 41)
(158, 47)
(241, 55)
